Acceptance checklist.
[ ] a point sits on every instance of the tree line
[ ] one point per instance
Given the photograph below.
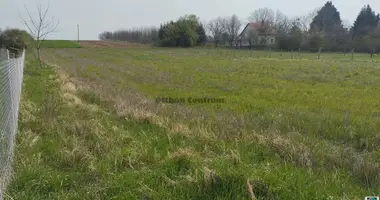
(323, 28)
(145, 35)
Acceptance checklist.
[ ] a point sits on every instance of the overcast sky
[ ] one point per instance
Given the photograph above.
(96, 16)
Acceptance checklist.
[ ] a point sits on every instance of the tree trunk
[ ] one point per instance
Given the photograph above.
(270, 53)
(292, 54)
(39, 56)
(250, 48)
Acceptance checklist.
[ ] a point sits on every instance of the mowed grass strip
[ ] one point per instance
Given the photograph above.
(59, 44)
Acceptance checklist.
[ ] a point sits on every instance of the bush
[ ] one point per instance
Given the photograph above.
(315, 42)
(185, 32)
(14, 39)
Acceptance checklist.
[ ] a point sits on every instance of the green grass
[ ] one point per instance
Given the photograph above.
(296, 129)
(60, 44)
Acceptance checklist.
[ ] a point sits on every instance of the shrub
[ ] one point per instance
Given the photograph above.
(14, 39)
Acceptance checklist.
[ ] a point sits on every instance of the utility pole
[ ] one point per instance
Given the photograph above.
(78, 32)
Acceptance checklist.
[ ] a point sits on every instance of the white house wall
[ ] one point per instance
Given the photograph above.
(271, 39)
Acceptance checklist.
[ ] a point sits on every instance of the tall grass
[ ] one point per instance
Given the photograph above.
(290, 129)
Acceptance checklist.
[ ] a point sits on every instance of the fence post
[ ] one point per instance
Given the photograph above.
(292, 54)
(299, 52)
(270, 53)
(352, 54)
(319, 53)
(3, 54)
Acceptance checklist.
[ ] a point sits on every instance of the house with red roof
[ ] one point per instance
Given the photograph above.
(257, 33)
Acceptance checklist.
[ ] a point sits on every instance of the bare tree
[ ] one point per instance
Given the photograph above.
(346, 24)
(106, 35)
(232, 26)
(217, 27)
(40, 27)
(262, 14)
(282, 23)
(303, 22)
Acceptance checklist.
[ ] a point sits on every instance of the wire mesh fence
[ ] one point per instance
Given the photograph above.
(11, 75)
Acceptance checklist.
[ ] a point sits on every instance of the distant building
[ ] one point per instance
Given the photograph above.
(259, 33)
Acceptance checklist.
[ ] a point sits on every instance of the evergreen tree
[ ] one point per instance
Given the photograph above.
(202, 38)
(326, 19)
(326, 29)
(161, 31)
(365, 22)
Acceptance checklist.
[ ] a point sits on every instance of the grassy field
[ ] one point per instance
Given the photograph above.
(60, 44)
(301, 128)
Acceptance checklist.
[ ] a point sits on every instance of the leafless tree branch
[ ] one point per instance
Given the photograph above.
(262, 14)
(232, 26)
(303, 22)
(282, 23)
(217, 27)
(40, 27)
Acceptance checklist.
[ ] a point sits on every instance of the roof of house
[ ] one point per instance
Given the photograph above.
(255, 26)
